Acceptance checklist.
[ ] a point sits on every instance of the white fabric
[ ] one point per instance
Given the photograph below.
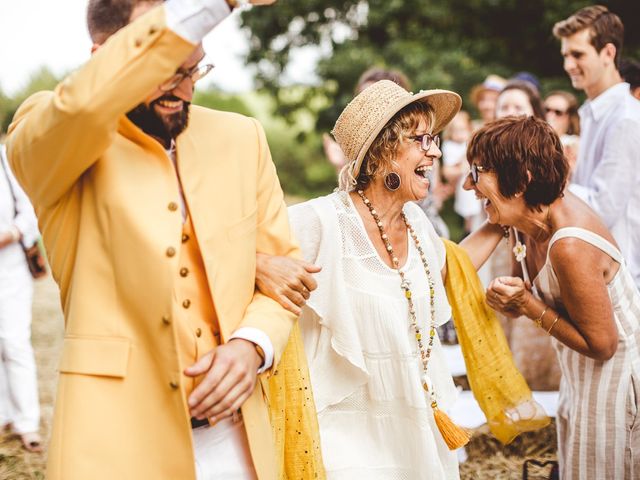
(222, 452)
(467, 413)
(25, 221)
(375, 420)
(607, 173)
(257, 337)
(18, 384)
(465, 204)
(193, 19)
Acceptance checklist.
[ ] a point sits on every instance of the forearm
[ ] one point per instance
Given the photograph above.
(268, 316)
(273, 237)
(557, 324)
(480, 244)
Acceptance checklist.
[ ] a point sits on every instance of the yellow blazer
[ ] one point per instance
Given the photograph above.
(101, 188)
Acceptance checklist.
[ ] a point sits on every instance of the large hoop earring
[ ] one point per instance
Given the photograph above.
(392, 181)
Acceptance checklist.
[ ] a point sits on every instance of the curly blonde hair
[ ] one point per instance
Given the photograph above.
(381, 156)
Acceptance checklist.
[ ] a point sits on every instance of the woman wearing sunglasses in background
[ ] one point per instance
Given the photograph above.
(562, 114)
(573, 284)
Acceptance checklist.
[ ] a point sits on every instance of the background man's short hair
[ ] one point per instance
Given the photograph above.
(106, 17)
(630, 72)
(604, 27)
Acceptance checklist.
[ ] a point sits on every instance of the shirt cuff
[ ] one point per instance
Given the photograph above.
(193, 19)
(257, 336)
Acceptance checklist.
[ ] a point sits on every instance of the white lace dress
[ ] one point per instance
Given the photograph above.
(375, 419)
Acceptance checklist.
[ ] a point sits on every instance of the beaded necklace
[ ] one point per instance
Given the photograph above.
(458, 437)
(413, 319)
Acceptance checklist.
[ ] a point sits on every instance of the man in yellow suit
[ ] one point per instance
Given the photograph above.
(152, 212)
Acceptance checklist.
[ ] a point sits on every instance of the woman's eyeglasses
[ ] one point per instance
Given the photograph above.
(475, 172)
(425, 140)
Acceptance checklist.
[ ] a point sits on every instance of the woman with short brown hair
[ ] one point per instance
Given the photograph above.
(574, 284)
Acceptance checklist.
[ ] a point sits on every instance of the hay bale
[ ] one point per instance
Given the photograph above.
(488, 459)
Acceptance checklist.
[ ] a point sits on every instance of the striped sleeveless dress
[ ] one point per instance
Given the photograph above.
(598, 416)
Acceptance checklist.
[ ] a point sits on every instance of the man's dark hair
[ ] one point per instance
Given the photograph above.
(604, 27)
(630, 72)
(106, 17)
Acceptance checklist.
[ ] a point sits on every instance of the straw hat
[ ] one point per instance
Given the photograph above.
(494, 83)
(366, 115)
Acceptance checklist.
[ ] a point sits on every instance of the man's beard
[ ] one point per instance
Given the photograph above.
(164, 128)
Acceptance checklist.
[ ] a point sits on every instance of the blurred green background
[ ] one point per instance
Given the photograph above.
(451, 44)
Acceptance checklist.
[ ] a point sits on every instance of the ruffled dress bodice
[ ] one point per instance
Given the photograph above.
(375, 418)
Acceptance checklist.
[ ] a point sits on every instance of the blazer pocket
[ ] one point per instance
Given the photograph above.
(101, 356)
(242, 227)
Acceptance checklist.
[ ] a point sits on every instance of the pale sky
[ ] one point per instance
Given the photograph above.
(53, 33)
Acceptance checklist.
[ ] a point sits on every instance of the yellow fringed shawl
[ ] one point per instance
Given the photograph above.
(293, 415)
(497, 385)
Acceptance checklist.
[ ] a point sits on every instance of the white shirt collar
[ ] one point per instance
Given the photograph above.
(605, 101)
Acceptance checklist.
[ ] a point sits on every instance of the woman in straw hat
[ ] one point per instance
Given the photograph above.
(379, 378)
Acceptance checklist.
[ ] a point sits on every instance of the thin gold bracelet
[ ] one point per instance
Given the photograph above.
(553, 324)
(538, 321)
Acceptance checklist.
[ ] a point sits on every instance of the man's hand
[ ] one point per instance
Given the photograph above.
(230, 372)
(286, 280)
(509, 295)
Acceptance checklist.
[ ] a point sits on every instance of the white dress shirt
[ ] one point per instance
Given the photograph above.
(607, 175)
(24, 221)
(193, 19)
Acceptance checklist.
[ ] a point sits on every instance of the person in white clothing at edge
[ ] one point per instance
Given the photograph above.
(607, 176)
(19, 407)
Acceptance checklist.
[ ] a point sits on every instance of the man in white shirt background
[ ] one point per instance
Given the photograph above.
(607, 175)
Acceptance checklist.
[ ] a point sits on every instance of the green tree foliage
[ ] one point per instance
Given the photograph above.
(452, 44)
(41, 79)
(296, 149)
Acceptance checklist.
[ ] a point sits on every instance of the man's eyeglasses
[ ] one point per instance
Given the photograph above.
(426, 139)
(556, 112)
(196, 73)
(475, 172)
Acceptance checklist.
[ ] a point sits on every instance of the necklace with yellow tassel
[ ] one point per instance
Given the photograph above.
(453, 435)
